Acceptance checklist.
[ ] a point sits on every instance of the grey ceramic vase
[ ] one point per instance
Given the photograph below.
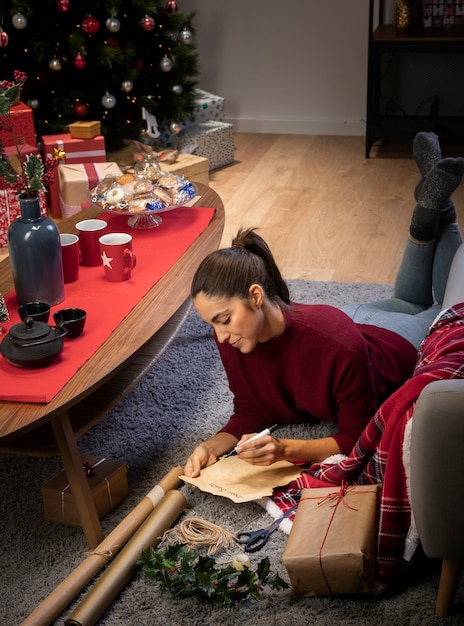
(35, 256)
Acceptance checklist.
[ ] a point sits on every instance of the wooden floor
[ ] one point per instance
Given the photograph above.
(326, 211)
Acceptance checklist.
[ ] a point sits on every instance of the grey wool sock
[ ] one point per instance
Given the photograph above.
(444, 177)
(427, 153)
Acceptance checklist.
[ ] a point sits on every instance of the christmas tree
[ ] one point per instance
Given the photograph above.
(114, 62)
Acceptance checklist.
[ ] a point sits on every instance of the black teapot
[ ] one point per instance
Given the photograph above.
(32, 344)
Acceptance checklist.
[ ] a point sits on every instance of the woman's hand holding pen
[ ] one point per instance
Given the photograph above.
(262, 451)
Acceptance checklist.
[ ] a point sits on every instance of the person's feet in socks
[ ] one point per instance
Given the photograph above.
(433, 202)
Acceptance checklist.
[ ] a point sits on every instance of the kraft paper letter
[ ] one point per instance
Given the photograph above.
(241, 482)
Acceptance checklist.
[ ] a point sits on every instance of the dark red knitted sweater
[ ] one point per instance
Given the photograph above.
(323, 366)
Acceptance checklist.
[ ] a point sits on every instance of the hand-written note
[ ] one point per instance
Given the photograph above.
(241, 482)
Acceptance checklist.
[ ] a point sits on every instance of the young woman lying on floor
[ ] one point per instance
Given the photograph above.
(295, 363)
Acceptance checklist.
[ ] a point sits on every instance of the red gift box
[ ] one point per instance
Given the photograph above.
(22, 123)
(9, 211)
(70, 151)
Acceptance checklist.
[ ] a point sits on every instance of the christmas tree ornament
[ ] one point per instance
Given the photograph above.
(55, 64)
(62, 6)
(34, 103)
(127, 85)
(166, 64)
(4, 39)
(81, 109)
(19, 21)
(177, 89)
(108, 101)
(90, 25)
(79, 61)
(111, 42)
(185, 36)
(147, 23)
(175, 127)
(113, 24)
(172, 6)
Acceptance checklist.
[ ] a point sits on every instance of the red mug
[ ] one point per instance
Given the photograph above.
(89, 232)
(71, 257)
(117, 256)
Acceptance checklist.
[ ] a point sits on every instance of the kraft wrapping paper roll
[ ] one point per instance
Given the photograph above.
(56, 602)
(121, 570)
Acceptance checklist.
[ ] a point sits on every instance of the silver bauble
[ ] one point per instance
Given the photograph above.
(108, 101)
(177, 89)
(34, 104)
(113, 24)
(166, 64)
(19, 21)
(175, 127)
(185, 36)
(55, 64)
(127, 85)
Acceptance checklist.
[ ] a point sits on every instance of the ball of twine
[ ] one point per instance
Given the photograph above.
(198, 532)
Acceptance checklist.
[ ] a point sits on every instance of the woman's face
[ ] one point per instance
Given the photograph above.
(234, 321)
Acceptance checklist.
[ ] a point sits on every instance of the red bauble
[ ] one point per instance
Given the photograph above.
(81, 109)
(138, 64)
(63, 6)
(3, 39)
(172, 6)
(90, 25)
(79, 62)
(147, 23)
(111, 42)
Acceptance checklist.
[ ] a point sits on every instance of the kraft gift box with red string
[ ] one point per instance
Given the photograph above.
(331, 548)
(75, 182)
(70, 151)
(108, 485)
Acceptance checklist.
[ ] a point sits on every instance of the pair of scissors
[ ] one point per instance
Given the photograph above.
(254, 540)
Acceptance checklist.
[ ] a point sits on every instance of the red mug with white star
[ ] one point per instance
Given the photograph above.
(117, 256)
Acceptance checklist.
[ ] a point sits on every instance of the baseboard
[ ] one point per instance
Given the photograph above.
(292, 126)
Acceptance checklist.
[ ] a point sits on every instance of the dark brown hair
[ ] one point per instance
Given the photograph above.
(230, 272)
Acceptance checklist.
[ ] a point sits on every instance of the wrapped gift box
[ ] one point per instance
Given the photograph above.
(108, 486)
(84, 130)
(194, 168)
(75, 182)
(212, 140)
(331, 548)
(208, 107)
(9, 211)
(22, 123)
(69, 150)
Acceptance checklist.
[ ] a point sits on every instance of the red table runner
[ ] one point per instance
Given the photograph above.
(157, 250)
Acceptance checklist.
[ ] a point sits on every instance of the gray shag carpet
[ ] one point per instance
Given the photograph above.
(183, 400)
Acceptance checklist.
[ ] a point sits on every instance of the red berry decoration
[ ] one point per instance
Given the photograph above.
(172, 6)
(90, 25)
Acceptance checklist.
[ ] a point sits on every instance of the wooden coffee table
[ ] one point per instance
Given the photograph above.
(111, 373)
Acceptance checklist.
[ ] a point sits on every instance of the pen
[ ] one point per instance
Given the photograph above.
(263, 433)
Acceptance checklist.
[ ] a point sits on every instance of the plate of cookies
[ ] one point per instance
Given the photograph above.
(143, 193)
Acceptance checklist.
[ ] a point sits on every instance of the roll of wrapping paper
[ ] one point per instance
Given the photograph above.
(61, 596)
(121, 570)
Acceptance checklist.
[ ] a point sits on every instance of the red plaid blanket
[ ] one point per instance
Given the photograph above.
(378, 454)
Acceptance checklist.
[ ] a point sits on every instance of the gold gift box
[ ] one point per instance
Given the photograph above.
(84, 130)
(331, 548)
(108, 487)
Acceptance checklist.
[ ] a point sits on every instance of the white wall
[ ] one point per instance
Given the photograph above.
(285, 66)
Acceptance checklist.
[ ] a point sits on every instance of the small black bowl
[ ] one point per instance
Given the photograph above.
(73, 320)
(39, 311)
